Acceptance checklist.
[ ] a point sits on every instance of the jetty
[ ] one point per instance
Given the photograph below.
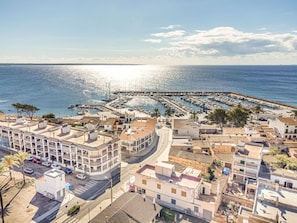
(221, 97)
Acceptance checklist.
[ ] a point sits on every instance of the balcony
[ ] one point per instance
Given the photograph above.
(246, 165)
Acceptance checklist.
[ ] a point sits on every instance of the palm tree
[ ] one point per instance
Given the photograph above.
(156, 113)
(295, 114)
(168, 112)
(2, 186)
(194, 115)
(257, 109)
(9, 161)
(21, 157)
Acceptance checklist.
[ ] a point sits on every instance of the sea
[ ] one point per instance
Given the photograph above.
(53, 88)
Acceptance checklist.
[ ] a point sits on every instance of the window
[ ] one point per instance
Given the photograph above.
(144, 182)
(183, 193)
(241, 161)
(173, 190)
(173, 201)
(241, 170)
(158, 196)
(159, 186)
(196, 209)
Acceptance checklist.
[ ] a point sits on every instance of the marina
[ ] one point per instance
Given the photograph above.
(201, 101)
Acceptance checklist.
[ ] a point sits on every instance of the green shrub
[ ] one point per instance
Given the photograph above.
(73, 210)
(168, 215)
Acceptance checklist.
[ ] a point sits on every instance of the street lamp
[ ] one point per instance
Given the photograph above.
(110, 180)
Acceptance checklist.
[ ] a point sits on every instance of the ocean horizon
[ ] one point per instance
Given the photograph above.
(53, 87)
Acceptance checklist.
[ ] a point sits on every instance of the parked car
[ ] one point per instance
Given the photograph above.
(56, 166)
(46, 163)
(29, 158)
(28, 170)
(36, 160)
(68, 170)
(81, 176)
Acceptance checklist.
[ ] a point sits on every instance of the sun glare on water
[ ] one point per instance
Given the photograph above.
(123, 77)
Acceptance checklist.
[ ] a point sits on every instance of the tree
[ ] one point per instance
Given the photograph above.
(19, 108)
(282, 160)
(21, 157)
(28, 109)
(2, 169)
(156, 113)
(274, 151)
(210, 171)
(218, 116)
(194, 115)
(257, 110)
(295, 114)
(168, 112)
(49, 116)
(9, 161)
(238, 116)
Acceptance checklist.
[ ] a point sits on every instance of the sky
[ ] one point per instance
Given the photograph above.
(169, 32)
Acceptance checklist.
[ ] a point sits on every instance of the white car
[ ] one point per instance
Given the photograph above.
(29, 158)
(81, 176)
(56, 166)
(45, 163)
(28, 170)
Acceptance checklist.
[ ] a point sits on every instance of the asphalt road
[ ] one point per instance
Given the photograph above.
(99, 191)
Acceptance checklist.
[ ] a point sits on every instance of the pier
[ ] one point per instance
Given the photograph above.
(224, 97)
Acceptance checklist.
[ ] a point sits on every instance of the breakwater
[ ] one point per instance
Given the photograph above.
(213, 94)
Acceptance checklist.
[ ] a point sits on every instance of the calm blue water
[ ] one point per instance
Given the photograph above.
(52, 88)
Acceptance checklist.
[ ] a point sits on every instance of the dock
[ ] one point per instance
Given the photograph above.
(221, 97)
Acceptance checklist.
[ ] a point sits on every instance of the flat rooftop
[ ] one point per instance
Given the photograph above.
(177, 178)
(75, 136)
(54, 173)
(270, 210)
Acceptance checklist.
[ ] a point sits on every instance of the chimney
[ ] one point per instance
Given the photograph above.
(276, 201)
(276, 187)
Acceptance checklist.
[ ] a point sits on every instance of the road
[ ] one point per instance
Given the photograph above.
(91, 208)
(60, 213)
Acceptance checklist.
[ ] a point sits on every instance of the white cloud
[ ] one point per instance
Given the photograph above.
(153, 40)
(227, 41)
(262, 29)
(172, 34)
(170, 27)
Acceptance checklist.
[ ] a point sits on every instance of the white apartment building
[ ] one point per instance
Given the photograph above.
(185, 192)
(286, 127)
(52, 184)
(139, 136)
(284, 177)
(246, 162)
(85, 151)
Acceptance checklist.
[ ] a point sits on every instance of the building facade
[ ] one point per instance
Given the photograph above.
(139, 136)
(185, 192)
(83, 150)
(246, 162)
(286, 127)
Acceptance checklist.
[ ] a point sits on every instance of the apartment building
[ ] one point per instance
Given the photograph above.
(286, 127)
(185, 192)
(139, 136)
(82, 149)
(246, 162)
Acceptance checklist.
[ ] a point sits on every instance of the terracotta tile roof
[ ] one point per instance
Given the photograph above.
(288, 121)
(139, 129)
